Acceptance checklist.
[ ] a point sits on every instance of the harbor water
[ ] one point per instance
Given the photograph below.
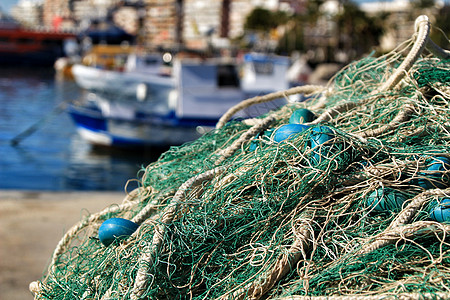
(54, 157)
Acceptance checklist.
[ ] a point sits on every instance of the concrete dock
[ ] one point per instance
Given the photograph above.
(31, 225)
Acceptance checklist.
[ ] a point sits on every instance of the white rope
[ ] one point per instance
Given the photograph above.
(422, 27)
(304, 89)
(149, 252)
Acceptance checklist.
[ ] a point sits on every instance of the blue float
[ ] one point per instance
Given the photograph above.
(319, 136)
(386, 200)
(301, 116)
(440, 212)
(115, 228)
(288, 131)
(432, 177)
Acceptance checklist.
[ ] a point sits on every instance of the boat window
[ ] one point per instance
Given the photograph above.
(227, 76)
(263, 68)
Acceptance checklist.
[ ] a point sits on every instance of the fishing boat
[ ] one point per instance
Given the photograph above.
(115, 126)
(31, 46)
(203, 91)
(130, 73)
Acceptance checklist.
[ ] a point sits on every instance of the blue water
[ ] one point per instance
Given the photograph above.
(54, 157)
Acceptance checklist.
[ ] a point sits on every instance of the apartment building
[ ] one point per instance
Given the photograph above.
(194, 23)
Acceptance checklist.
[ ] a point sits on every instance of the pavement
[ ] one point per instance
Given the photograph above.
(31, 225)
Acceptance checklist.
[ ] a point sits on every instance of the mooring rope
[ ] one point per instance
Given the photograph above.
(304, 89)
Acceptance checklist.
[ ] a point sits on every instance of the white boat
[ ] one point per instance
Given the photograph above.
(203, 92)
(149, 74)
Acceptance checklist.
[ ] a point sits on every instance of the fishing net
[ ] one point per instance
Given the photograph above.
(237, 214)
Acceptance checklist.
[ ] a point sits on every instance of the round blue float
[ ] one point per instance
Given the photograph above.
(387, 199)
(115, 228)
(301, 116)
(319, 136)
(440, 212)
(288, 131)
(432, 177)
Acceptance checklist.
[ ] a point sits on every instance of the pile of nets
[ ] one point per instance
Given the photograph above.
(244, 214)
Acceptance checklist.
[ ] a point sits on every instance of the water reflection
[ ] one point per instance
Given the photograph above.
(54, 157)
(92, 168)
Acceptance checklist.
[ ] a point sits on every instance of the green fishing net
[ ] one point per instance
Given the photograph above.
(341, 209)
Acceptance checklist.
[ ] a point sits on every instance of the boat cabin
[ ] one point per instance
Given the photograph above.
(208, 89)
(264, 73)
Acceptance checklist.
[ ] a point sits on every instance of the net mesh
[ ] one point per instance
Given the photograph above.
(290, 219)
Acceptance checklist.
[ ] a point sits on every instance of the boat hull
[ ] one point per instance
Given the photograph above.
(97, 129)
(123, 83)
(21, 46)
(45, 58)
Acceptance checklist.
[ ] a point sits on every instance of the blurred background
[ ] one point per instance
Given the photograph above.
(40, 145)
(325, 30)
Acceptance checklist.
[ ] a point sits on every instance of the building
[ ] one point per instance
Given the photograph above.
(202, 23)
(28, 12)
(167, 23)
(161, 26)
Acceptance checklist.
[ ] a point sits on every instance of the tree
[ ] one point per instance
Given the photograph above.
(293, 38)
(358, 33)
(263, 20)
(421, 4)
(441, 29)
